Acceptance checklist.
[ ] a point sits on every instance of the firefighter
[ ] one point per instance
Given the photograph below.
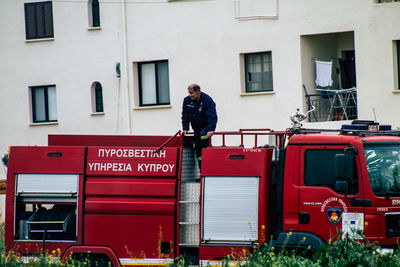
(199, 109)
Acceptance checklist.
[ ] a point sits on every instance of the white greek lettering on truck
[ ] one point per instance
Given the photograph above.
(130, 153)
(153, 167)
(116, 167)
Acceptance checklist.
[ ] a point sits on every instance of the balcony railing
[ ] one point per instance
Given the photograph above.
(332, 107)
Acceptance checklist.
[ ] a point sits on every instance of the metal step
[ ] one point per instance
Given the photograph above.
(189, 214)
(190, 166)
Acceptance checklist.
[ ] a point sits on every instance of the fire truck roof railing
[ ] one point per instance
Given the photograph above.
(279, 136)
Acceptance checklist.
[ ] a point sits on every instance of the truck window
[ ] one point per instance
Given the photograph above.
(319, 169)
(383, 164)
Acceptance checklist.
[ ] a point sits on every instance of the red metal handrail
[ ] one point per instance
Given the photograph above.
(279, 136)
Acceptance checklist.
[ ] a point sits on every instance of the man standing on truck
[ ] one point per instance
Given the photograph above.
(199, 109)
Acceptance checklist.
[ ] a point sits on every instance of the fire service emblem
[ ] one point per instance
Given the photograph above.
(334, 215)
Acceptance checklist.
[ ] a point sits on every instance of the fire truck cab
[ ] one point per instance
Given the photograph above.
(137, 200)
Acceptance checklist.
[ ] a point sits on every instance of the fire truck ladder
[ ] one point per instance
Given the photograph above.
(189, 200)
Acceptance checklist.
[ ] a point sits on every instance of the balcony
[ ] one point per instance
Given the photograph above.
(332, 106)
(329, 76)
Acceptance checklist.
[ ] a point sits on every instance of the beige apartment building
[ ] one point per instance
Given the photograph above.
(123, 66)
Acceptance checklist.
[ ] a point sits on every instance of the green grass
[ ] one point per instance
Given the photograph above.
(343, 252)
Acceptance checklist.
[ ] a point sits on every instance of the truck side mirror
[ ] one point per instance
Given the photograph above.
(343, 172)
(341, 186)
(343, 166)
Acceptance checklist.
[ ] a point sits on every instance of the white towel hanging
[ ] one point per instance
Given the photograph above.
(324, 73)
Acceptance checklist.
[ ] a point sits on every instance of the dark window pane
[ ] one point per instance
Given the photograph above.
(48, 20)
(398, 64)
(40, 24)
(30, 21)
(38, 20)
(95, 13)
(99, 98)
(320, 169)
(163, 82)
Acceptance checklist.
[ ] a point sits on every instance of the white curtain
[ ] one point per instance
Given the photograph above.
(39, 104)
(149, 95)
(52, 101)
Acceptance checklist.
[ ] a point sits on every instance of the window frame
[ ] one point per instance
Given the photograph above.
(29, 29)
(46, 103)
(140, 80)
(247, 84)
(97, 98)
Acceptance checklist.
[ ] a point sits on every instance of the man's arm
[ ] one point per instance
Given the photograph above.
(211, 115)
(185, 117)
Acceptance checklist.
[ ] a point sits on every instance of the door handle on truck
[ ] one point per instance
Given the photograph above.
(360, 202)
(304, 218)
(236, 156)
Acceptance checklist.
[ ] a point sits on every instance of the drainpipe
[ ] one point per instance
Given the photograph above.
(125, 67)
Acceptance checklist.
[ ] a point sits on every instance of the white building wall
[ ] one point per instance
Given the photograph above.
(203, 42)
(72, 61)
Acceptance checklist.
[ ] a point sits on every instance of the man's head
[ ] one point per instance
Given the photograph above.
(194, 92)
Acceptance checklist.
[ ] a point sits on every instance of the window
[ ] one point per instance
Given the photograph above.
(44, 104)
(386, 1)
(97, 97)
(320, 169)
(398, 63)
(39, 20)
(154, 83)
(258, 68)
(94, 13)
(383, 164)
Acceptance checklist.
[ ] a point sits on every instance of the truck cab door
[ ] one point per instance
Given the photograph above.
(330, 191)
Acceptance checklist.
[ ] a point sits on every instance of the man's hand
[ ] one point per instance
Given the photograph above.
(210, 133)
(184, 132)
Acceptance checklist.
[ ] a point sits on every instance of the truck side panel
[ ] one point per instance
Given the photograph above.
(291, 190)
(235, 193)
(29, 203)
(130, 202)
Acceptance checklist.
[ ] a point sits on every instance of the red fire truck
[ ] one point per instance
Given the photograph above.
(138, 200)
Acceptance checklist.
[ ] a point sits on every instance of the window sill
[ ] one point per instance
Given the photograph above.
(39, 40)
(396, 91)
(97, 113)
(43, 123)
(152, 107)
(258, 93)
(94, 28)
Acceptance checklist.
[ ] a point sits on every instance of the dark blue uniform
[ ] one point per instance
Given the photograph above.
(202, 115)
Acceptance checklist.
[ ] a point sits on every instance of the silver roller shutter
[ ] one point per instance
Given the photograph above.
(230, 209)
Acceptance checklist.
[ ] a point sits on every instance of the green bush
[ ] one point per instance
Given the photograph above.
(343, 252)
